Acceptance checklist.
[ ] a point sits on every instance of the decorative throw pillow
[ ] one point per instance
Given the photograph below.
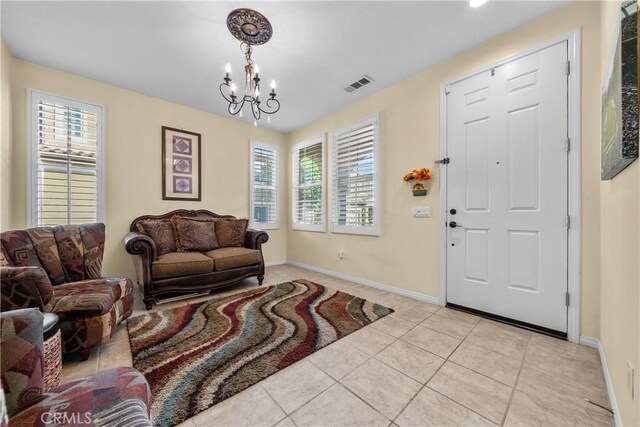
(161, 232)
(195, 234)
(231, 232)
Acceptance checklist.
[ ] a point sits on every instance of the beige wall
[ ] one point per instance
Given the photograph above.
(620, 252)
(406, 255)
(6, 81)
(133, 157)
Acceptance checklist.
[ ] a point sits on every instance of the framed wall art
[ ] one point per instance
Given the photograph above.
(620, 96)
(180, 165)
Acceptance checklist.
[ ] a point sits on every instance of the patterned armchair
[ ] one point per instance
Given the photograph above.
(58, 270)
(118, 396)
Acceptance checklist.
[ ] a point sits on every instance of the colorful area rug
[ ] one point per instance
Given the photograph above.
(200, 354)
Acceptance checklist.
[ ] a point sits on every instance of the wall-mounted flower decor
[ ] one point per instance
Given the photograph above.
(419, 180)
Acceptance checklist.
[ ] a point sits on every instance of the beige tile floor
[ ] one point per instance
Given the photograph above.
(423, 365)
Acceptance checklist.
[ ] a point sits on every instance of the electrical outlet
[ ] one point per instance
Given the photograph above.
(630, 379)
(421, 211)
(341, 254)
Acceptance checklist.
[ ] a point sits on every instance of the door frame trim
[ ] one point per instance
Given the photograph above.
(573, 39)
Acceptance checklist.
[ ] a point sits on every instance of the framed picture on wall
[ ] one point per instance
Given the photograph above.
(620, 96)
(180, 165)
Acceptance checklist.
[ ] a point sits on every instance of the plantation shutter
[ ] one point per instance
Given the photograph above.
(308, 198)
(354, 169)
(264, 194)
(65, 161)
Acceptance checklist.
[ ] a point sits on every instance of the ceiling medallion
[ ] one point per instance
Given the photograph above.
(251, 28)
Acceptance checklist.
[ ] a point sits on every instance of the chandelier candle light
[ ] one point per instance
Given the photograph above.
(251, 28)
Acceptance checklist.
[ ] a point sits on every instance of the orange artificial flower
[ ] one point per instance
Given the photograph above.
(418, 174)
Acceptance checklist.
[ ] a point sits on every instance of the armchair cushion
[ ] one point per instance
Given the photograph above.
(162, 234)
(23, 366)
(80, 248)
(19, 249)
(227, 258)
(231, 232)
(67, 253)
(106, 398)
(176, 264)
(92, 297)
(195, 234)
(24, 287)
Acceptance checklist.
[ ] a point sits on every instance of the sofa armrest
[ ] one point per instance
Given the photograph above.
(137, 243)
(25, 287)
(254, 239)
(144, 252)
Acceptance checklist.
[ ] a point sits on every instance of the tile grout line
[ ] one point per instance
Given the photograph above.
(426, 385)
(276, 402)
(431, 377)
(371, 358)
(513, 390)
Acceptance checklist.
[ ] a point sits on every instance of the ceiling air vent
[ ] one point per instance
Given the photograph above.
(363, 81)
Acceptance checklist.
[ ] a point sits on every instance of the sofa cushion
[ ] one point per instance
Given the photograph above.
(195, 234)
(91, 297)
(162, 234)
(227, 258)
(176, 264)
(231, 232)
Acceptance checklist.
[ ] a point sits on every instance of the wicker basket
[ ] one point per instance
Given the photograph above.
(52, 361)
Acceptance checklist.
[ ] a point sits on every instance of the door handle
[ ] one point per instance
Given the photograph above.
(454, 224)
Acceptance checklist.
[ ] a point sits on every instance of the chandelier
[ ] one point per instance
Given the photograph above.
(251, 28)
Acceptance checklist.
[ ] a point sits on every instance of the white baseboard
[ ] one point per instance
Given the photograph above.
(589, 341)
(274, 263)
(366, 282)
(613, 403)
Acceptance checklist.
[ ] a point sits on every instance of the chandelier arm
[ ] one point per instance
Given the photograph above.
(277, 107)
(255, 109)
(225, 96)
(239, 106)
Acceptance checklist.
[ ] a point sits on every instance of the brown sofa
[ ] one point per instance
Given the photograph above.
(172, 273)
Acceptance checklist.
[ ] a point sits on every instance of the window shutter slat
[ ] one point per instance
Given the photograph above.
(264, 194)
(66, 138)
(308, 191)
(354, 168)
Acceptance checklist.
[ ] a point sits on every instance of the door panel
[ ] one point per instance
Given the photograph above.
(507, 180)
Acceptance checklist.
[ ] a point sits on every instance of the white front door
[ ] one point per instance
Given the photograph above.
(507, 190)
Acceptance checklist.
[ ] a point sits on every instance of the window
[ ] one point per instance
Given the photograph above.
(308, 192)
(264, 185)
(354, 174)
(65, 160)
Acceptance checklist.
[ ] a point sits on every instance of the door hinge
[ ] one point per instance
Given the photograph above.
(447, 89)
(568, 144)
(443, 161)
(567, 298)
(568, 67)
(493, 72)
(568, 220)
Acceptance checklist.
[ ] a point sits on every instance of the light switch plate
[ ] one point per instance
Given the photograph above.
(421, 211)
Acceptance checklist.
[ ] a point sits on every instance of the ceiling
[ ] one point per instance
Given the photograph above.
(177, 50)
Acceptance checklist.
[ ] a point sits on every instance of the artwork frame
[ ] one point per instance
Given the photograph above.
(181, 165)
(620, 120)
